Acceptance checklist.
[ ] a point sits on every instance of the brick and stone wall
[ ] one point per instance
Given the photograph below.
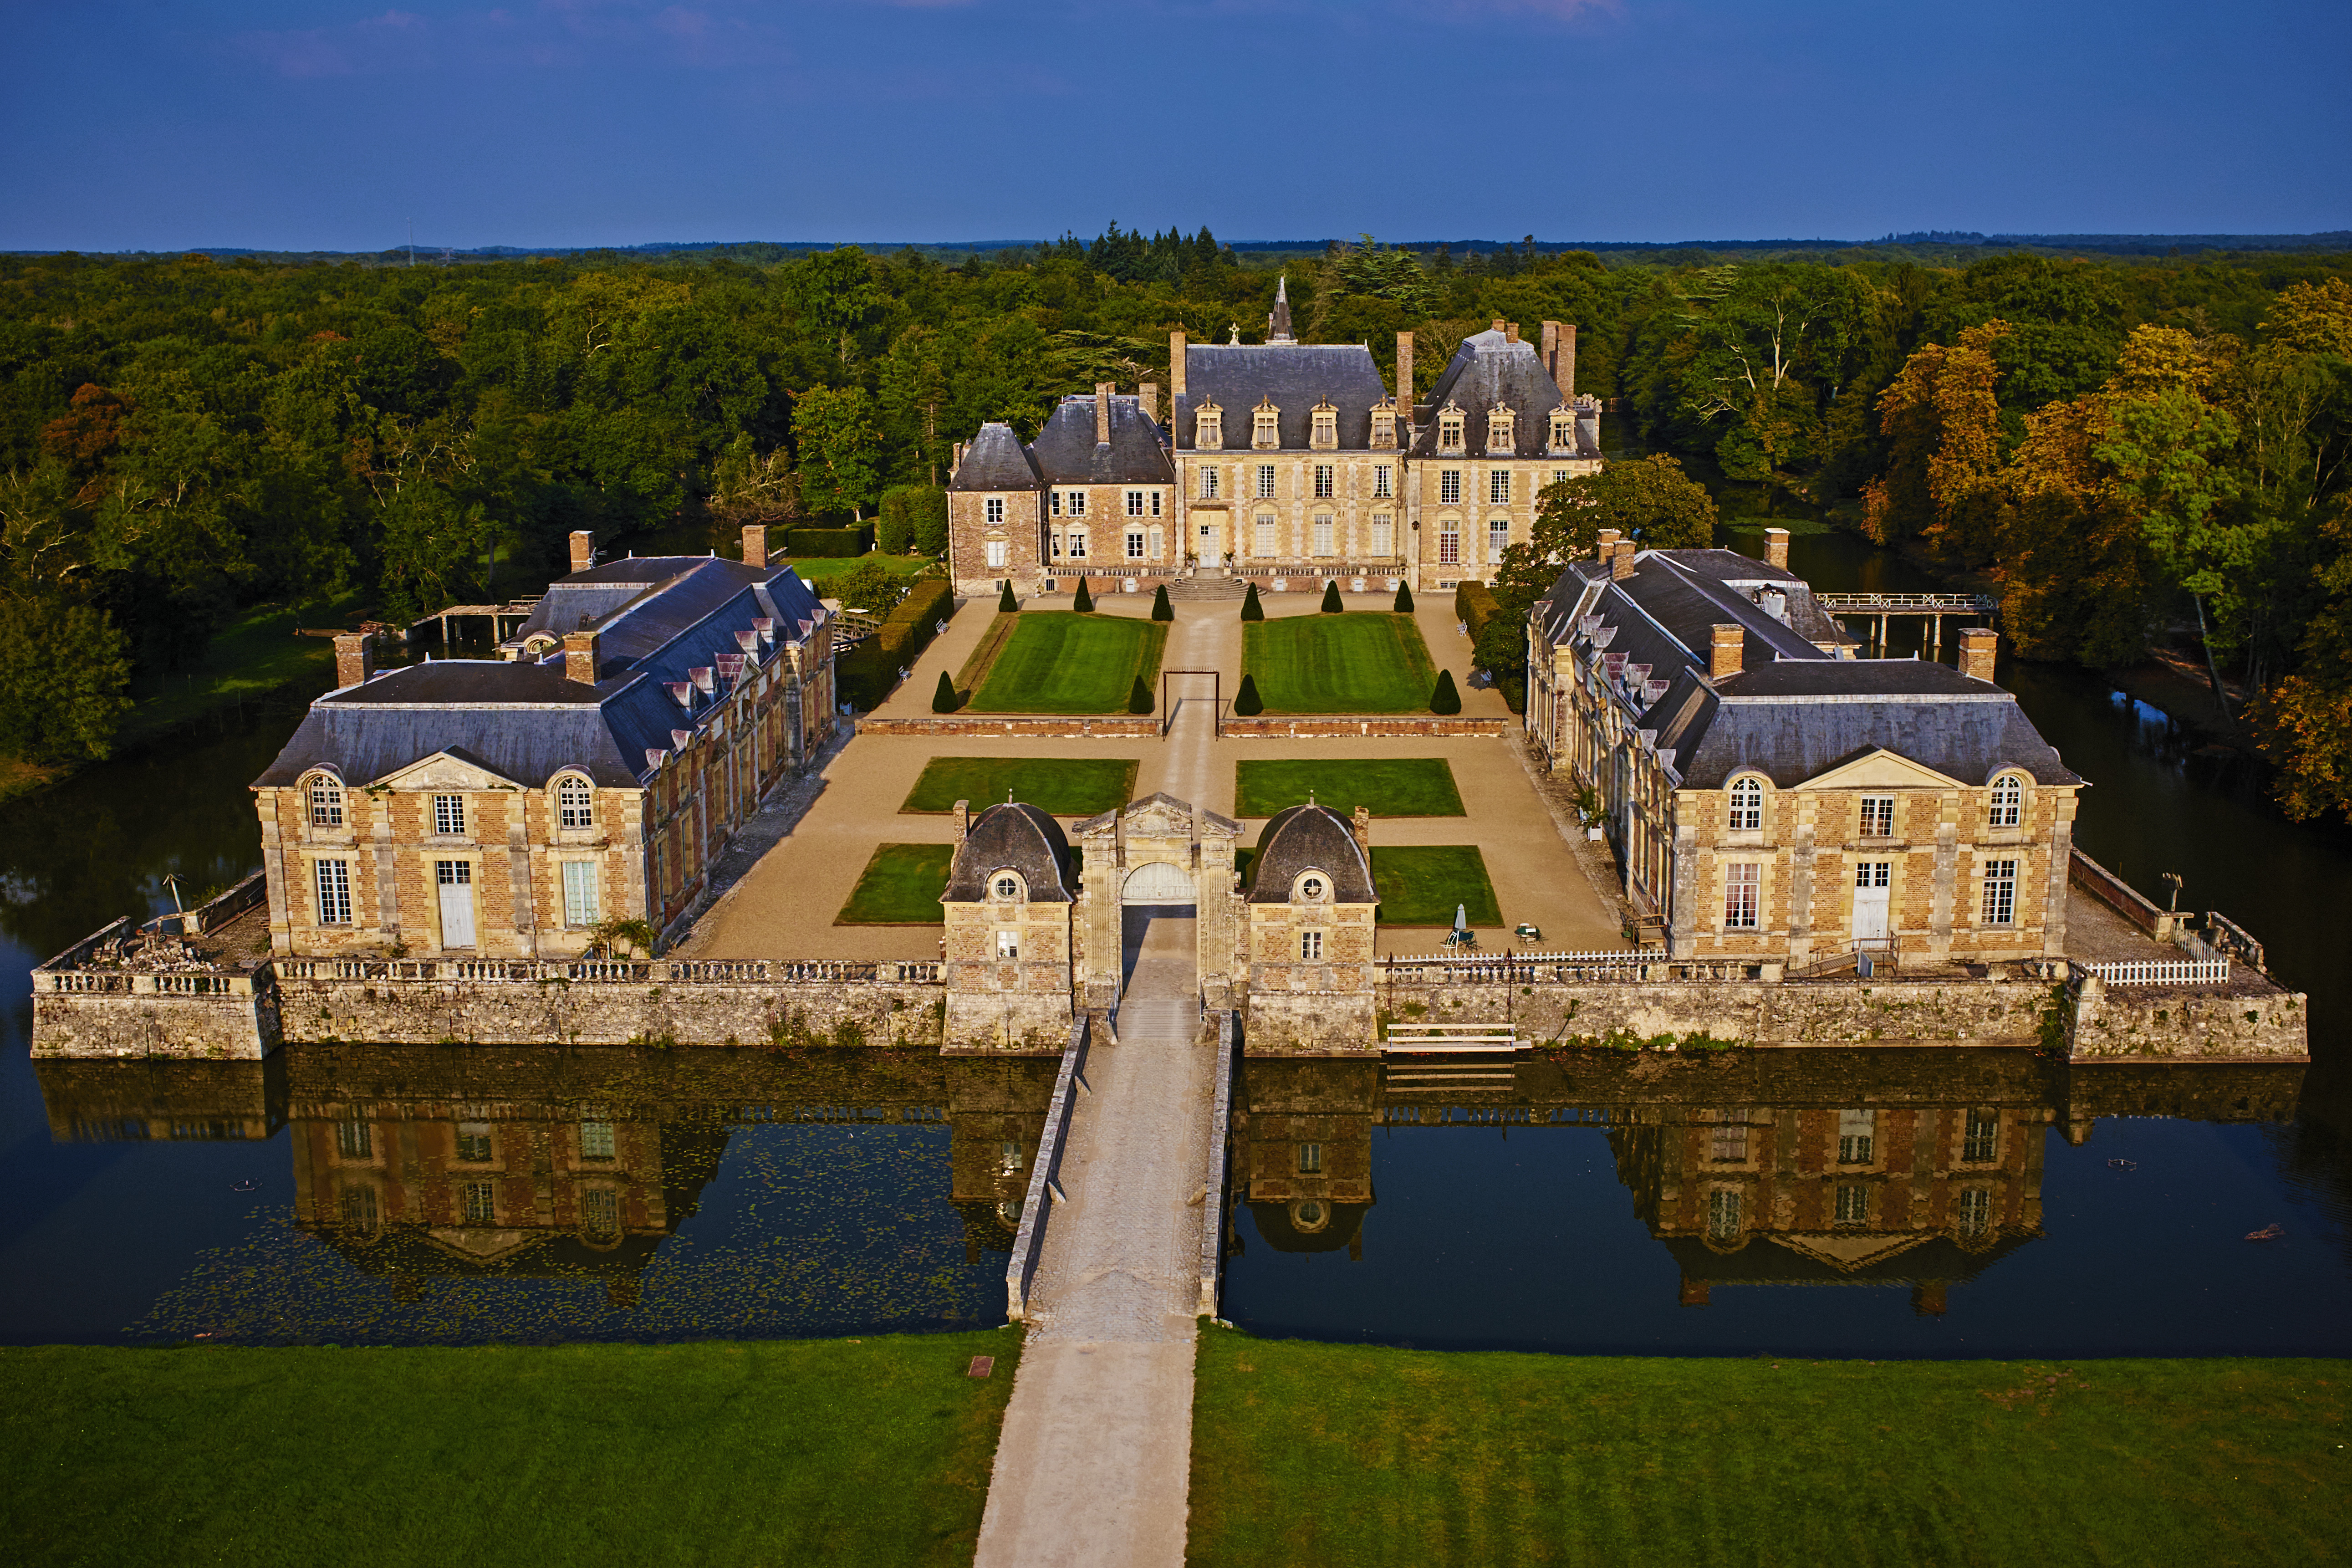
(236, 1018)
(1026, 728)
(1309, 725)
(606, 1013)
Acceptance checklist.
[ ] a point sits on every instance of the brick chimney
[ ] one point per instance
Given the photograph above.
(584, 550)
(1548, 349)
(962, 820)
(1102, 412)
(1723, 651)
(1978, 645)
(1620, 564)
(1510, 331)
(1362, 828)
(1563, 368)
(582, 652)
(1404, 379)
(1147, 397)
(1776, 548)
(1609, 537)
(354, 658)
(1175, 366)
(1498, 325)
(755, 545)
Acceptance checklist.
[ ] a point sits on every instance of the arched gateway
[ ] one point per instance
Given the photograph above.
(1157, 851)
(1160, 883)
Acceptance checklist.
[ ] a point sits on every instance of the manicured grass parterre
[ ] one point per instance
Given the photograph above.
(1058, 661)
(811, 568)
(835, 1451)
(1420, 884)
(1362, 1456)
(1366, 661)
(1386, 786)
(1060, 786)
(899, 886)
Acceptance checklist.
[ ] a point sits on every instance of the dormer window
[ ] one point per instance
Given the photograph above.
(1563, 432)
(1326, 432)
(1005, 885)
(1502, 431)
(326, 801)
(1265, 426)
(1449, 429)
(1383, 426)
(575, 804)
(1209, 427)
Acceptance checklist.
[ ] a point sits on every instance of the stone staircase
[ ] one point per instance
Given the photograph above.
(1182, 589)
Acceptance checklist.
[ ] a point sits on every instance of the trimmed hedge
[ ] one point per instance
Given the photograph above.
(828, 543)
(867, 672)
(1474, 606)
(913, 518)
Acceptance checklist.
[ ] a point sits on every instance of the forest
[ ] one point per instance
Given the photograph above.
(2138, 450)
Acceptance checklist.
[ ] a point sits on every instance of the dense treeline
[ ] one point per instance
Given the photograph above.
(181, 437)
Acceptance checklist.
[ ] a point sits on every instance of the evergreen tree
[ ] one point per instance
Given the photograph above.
(1331, 604)
(943, 700)
(1404, 597)
(1138, 697)
(1005, 603)
(1085, 602)
(1161, 610)
(1445, 699)
(1251, 609)
(1247, 701)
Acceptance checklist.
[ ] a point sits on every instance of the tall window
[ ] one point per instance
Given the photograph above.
(994, 509)
(1723, 1213)
(596, 1140)
(579, 893)
(1974, 1210)
(1310, 1159)
(1383, 481)
(1265, 481)
(1449, 432)
(1008, 945)
(599, 1211)
(479, 1203)
(1323, 480)
(1728, 1141)
(1209, 430)
(326, 802)
(1264, 534)
(1449, 544)
(1323, 533)
(1498, 537)
(2000, 893)
(1266, 428)
(1383, 534)
(1853, 1206)
(1980, 1138)
(1878, 816)
(1857, 1136)
(1209, 484)
(1136, 502)
(575, 804)
(1449, 487)
(1746, 805)
(474, 1142)
(1327, 427)
(1742, 883)
(1053, 503)
(1310, 944)
(996, 554)
(354, 1140)
(1135, 544)
(449, 813)
(1073, 503)
(359, 1207)
(1008, 1157)
(1502, 431)
(2008, 801)
(1563, 433)
(1078, 543)
(335, 892)
(1498, 488)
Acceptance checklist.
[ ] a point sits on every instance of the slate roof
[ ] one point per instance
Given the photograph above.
(1066, 451)
(996, 461)
(524, 719)
(1297, 376)
(1309, 837)
(1015, 837)
(1487, 369)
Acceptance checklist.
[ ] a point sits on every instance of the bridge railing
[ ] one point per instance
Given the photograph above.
(599, 971)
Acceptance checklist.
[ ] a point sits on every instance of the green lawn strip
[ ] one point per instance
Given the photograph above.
(899, 886)
(1324, 1453)
(1367, 661)
(875, 1450)
(1398, 786)
(984, 657)
(250, 657)
(816, 566)
(1058, 661)
(1061, 786)
(1420, 884)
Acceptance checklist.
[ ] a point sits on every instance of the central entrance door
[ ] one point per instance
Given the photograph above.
(1158, 882)
(1872, 891)
(456, 880)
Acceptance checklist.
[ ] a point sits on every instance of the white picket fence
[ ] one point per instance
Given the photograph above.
(2185, 972)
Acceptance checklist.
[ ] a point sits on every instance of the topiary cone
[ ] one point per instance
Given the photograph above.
(1445, 699)
(1161, 610)
(1005, 603)
(943, 700)
(1405, 598)
(1085, 602)
(1247, 701)
(1138, 697)
(1331, 604)
(1251, 609)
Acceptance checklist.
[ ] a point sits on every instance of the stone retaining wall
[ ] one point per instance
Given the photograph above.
(238, 1023)
(554, 1011)
(1021, 725)
(2175, 1022)
(1308, 726)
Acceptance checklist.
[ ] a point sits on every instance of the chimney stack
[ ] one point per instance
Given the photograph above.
(1548, 350)
(1498, 325)
(584, 550)
(354, 658)
(755, 545)
(1175, 366)
(962, 820)
(1609, 537)
(1510, 331)
(581, 655)
(1563, 372)
(1978, 645)
(1620, 564)
(1723, 651)
(1776, 548)
(1405, 380)
(1362, 828)
(1102, 412)
(1147, 397)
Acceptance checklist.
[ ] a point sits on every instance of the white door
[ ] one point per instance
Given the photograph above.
(1158, 882)
(1872, 882)
(456, 878)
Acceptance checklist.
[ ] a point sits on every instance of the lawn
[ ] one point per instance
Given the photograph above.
(1349, 1454)
(1061, 786)
(1058, 661)
(811, 568)
(899, 886)
(1366, 661)
(1420, 884)
(1400, 786)
(836, 1452)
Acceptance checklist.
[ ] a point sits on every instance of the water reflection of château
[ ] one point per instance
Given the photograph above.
(1907, 1166)
(427, 1164)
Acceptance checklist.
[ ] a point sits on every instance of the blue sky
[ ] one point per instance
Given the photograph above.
(327, 124)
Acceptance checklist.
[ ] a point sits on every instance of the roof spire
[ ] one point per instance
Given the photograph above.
(1277, 325)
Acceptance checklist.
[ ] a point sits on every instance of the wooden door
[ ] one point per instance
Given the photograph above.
(1873, 891)
(455, 879)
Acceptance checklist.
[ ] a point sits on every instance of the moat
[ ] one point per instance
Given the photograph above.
(1558, 1205)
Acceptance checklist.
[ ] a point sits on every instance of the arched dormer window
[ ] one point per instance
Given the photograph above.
(538, 646)
(1209, 426)
(2008, 801)
(1005, 885)
(1265, 425)
(1311, 888)
(1450, 421)
(1746, 805)
(1502, 431)
(575, 803)
(324, 794)
(1384, 418)
(1563, 432)
(1326, 432)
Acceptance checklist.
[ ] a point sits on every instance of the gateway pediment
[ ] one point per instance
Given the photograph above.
(1882, 769)
(450, 772)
